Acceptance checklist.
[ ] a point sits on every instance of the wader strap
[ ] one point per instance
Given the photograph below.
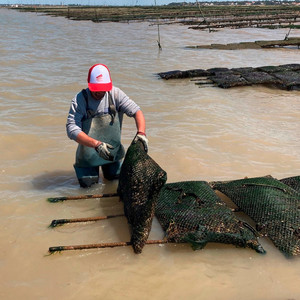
(112, 107)
(85, 95)
(89, 113)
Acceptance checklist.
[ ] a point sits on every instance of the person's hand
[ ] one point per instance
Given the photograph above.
(142, 137)
(104, 151)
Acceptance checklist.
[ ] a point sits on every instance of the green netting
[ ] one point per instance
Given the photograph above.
(273, 205)
(293, 182)
(141, 179)
(191, 212)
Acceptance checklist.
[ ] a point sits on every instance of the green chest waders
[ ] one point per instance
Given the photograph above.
(105, 128)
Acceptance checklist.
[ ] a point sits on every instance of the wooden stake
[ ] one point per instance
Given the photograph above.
(103, 245)
(60, 222)
(60, 199)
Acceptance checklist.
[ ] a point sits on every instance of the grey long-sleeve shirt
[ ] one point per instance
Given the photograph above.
(78, 109)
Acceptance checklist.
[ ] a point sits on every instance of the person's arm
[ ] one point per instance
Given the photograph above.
(85, 140)
(76, 115)
(102, 148)
(74, 129)
(141, 129)
(131, 109)
(140, 122)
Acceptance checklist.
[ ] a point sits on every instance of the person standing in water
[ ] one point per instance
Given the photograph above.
(95, 122)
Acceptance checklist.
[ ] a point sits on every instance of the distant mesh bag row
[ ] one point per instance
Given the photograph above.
(284, 76)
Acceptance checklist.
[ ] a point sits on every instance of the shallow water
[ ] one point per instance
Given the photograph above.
(194, 134)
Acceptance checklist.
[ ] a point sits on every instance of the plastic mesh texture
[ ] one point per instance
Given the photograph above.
(293, 182)
(273, 205)
(140, 182)
(191, 212)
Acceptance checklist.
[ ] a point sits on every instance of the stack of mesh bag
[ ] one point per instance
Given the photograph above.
(141, 179)
(274, 205)
(191, 212)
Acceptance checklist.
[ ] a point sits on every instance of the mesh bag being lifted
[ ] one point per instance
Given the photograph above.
(191, 212)
(273, 205)
(141, 179)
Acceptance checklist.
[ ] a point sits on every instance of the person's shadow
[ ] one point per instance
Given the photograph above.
(55, 181)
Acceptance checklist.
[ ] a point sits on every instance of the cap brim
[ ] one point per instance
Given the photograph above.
(97, 87)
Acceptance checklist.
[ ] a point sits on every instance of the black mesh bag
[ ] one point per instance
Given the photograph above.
(141, 179)
(191, 212)
(273, 205)
(293, 182)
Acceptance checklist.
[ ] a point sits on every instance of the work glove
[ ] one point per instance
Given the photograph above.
(104, 151)
(140, 136)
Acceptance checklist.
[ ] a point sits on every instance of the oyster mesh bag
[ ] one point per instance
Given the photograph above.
(191, 212)
(293, 182)
(273, 205)
(141, 179)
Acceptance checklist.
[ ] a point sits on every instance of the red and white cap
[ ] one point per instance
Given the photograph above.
(99, 79)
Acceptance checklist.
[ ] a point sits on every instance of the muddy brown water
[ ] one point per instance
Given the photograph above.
(194, 134)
